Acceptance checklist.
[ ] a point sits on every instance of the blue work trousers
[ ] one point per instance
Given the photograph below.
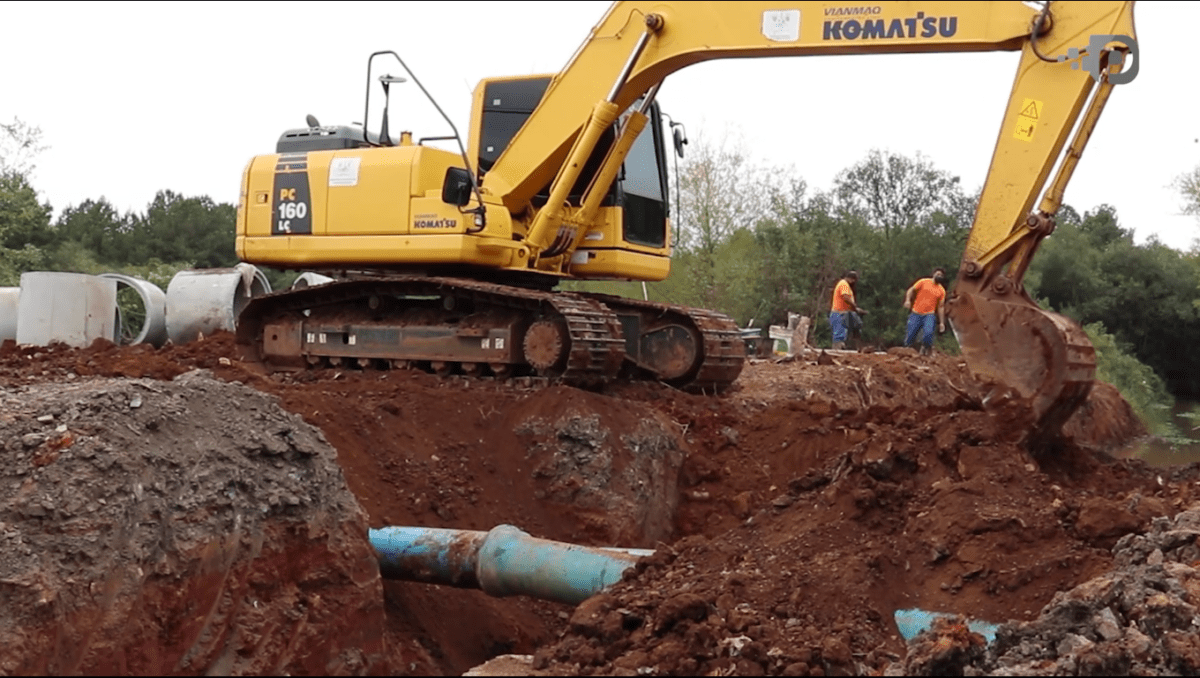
(918, 322)
(840, 324)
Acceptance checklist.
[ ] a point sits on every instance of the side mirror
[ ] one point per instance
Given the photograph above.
(456, 188)
(680, 140)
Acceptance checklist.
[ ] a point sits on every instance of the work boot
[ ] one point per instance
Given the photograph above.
(926, 350)
(839, 345)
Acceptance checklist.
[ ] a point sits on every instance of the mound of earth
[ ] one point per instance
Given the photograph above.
(178, 527)
(791, 516)
(940, 511)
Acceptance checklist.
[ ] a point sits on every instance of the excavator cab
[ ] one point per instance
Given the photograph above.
(640, 220)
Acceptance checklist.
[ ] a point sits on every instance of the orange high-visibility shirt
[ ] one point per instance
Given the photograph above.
(839, 304)
(929, 293)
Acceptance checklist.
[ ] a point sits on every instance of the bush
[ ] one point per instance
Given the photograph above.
(1141, 387)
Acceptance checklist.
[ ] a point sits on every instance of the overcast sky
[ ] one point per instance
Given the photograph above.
(138, 97)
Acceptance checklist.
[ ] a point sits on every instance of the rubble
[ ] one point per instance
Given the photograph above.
(1140, 619)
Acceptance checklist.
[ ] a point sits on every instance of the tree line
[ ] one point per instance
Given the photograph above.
(750, 240)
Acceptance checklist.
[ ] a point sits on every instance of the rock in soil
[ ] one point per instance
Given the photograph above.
(182, 527)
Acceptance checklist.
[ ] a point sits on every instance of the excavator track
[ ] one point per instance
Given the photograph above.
(450, 325)
(723, 352)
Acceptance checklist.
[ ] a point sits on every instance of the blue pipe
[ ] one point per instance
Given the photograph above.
(912, 622)
(428, 555)
(503, 561)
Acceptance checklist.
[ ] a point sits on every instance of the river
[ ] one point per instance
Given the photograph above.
(1161, 453)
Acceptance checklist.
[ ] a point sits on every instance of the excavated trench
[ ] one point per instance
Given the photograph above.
(174, 511)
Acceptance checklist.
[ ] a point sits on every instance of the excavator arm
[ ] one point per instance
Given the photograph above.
(1066, 54)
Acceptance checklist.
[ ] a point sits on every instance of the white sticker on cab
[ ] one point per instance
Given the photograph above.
(344, 171)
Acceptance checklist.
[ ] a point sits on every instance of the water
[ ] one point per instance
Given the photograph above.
(1184, 449)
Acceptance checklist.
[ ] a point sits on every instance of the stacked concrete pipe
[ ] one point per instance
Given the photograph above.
(154, 327)
(9, 297)
(68, 308)
(203, 301)
(76, 309)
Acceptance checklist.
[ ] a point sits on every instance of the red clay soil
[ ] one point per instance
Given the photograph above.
(791, 516)
(186, 527)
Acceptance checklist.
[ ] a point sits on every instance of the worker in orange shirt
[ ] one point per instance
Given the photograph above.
(926, 299)
(843, 305)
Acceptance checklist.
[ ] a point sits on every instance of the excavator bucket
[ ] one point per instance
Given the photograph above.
(1045, 357)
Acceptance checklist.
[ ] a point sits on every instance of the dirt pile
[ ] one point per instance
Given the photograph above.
(1141, 619)
(177, 527)
(873, 507)
(791, 517)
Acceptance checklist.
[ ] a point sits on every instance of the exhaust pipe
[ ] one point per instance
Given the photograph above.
(503, 561)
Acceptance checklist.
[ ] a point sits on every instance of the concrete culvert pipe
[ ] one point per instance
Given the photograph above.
(8, 312)
(208, 300)
(310, 279)
(72, 308)
(145, 318)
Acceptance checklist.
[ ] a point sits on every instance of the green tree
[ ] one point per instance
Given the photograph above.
(175, 228)
(1188, 185)
(892, 192)
(94, 226)
(722, 191)
(23, 223)
(804, 250)
(1137, 382)
(24, 220)
(20, 143)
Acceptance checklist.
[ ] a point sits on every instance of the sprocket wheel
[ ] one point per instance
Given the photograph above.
(545, 346)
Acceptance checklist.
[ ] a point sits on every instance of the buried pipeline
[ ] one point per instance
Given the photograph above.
(503, 561)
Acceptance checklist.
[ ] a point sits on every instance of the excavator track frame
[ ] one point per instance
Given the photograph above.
(578, 339)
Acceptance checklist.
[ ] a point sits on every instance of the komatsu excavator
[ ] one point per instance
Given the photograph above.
(450, 261)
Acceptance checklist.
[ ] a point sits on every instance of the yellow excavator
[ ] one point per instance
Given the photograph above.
(450, 261)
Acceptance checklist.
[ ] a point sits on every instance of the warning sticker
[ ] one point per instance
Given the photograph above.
(1027, 119)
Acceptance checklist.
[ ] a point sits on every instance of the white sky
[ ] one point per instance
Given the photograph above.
(136, 97)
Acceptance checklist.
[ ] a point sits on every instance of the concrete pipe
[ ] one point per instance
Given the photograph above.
(310, 279)
(208, 300)
(8, 312)
(71, 308)
(153, 328)
(501, 562)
